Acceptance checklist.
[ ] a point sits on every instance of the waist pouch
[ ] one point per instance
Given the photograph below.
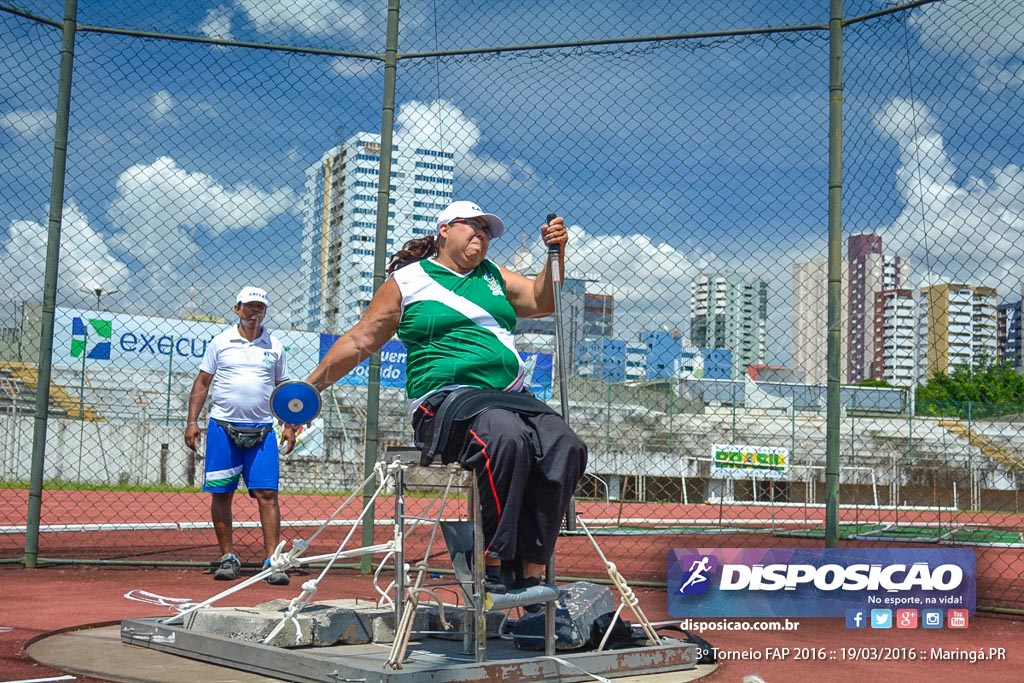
(447, 433)
(245, 437)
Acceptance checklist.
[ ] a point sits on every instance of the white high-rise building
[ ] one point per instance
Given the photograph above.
(894, 320)
(727, 312)
(810, 319)
(339, 214)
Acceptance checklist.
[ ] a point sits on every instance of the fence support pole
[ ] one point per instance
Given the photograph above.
(60, 153)
(387, 128)
(835, 236)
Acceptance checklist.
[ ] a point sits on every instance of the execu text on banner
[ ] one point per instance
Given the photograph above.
(816, 582)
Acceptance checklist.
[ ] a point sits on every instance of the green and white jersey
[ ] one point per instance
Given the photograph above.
(457, 330)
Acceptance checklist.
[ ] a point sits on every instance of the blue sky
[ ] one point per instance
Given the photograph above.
(186, 161)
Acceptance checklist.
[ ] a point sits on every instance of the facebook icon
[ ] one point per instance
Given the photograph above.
(856, 618)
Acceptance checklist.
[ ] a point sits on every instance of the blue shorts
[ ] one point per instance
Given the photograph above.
(225, 462)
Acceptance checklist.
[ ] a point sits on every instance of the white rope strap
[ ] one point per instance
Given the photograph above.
(309, 588)
(564, 662)
(608, 631)
(628, 596)
(179, 604)
(295, 606)
(384, 593)
(298, 547)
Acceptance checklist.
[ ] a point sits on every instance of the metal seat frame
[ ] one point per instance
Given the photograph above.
(477, 601)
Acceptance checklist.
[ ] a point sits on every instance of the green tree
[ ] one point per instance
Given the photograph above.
(984, 390)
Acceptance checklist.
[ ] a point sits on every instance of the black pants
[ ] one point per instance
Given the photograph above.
(527, 469)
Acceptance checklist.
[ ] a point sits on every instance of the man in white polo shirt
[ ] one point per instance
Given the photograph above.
(243, 364)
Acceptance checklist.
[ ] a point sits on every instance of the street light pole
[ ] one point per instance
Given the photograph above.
(99, 292)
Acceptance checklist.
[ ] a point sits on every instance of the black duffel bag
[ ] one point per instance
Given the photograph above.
(245, 437)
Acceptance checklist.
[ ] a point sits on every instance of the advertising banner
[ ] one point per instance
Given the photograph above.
(747, 462)
(818, 582)
(119, 340)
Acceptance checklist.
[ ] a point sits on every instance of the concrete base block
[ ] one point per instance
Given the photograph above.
(251, 624)
(320, 624)
(349, 622)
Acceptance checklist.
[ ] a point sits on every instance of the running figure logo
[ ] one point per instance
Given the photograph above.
(697, 568)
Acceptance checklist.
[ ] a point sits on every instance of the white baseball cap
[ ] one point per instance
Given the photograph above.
(457, 210)
(252, 294)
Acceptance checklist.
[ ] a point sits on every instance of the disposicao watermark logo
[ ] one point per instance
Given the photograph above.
(801, 582)
(696, 579)
(92, 337)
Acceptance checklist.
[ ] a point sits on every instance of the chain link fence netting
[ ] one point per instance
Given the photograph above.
(213, 145)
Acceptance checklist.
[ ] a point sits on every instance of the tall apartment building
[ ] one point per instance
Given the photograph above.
(894, 320)
(339, 210)
(810, 319)
(1008, 332)
(727, 312)
(870, 271)
(956, 326)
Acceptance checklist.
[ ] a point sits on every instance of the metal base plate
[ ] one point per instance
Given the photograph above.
(430, 659)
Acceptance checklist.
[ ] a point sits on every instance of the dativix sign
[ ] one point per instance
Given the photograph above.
(757, 462)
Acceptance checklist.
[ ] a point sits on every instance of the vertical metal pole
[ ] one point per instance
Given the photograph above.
(557, 279)
(733, 406)
(387, 127)
(81, 403)
(81, 379)
(835, 237)
(170, 375)
(399, 527)
(970, 451)
(60, 151)
(479, 570)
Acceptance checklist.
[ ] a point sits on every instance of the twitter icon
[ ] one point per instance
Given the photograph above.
(881, 618)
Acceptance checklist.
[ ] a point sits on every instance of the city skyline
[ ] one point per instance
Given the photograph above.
(187, 161)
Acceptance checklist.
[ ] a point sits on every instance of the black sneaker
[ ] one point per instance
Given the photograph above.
(493, 582)
(530, 582)
(277, 578)
(229, 568)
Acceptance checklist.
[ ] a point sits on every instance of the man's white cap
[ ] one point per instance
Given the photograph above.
(457, 210)
(252, 294)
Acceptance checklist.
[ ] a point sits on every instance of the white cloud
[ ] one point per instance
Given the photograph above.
(217, 24)
(994, 77)
(311, 18)
(159, 204)
(85, 260)
(650, 281)
(982, 29)
(967, 232)
(164, 108)
(442, 125)
(161, 107)
(990, 33)
(356, 68)
(29, 124)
